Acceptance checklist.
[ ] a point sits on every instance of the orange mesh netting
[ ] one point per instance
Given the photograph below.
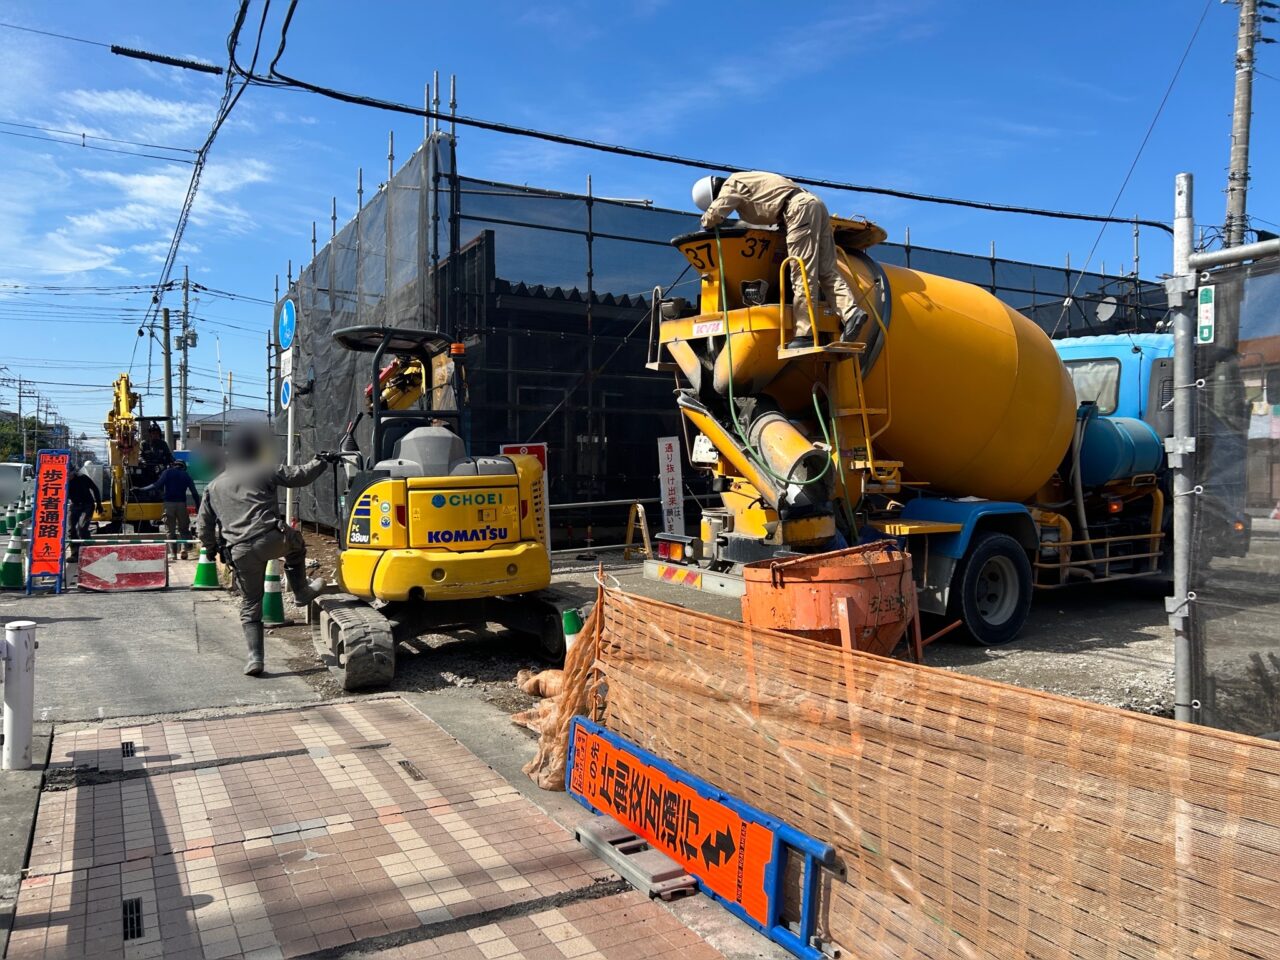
(972, 819)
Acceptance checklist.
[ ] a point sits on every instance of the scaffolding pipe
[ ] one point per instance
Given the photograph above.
(1181, 446)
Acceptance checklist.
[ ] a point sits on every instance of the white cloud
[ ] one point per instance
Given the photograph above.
(135, 114)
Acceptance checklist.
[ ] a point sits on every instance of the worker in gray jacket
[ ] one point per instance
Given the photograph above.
(239, 520)
(767, 199)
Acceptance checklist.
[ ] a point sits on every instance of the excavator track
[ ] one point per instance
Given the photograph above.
(359, 638)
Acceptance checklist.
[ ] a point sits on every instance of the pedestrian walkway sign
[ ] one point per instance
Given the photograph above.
(738, 853)
(49, 521)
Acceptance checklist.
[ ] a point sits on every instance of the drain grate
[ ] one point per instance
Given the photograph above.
(410, 769)
(126, 748)
(132, 910)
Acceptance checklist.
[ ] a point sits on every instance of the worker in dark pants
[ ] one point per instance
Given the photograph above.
(84, 499)
(239, 520)
(173, 486)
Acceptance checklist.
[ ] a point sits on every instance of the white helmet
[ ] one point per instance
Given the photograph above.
(705, 190)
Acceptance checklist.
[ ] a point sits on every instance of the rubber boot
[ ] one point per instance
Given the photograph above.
(253, 639)
(303, 591)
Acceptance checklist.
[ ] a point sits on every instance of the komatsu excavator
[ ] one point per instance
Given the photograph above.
(430, 536)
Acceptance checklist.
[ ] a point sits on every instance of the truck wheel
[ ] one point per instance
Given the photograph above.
(991, 589)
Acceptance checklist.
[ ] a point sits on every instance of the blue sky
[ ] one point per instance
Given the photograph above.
(1024, 102)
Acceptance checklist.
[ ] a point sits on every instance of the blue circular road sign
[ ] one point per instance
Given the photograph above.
(286, 392)
(288, 324)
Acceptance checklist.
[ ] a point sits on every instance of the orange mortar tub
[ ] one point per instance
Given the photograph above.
(801, 595)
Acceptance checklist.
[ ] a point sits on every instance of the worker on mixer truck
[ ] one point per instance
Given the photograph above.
(765, 199)
(239, 521)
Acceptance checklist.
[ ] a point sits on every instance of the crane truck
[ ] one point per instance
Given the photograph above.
(1003, 462)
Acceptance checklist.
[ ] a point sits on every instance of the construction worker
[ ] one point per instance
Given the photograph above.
(173, 486)
(84, 499)
(154, 450)
(239, 520)
(766, 199)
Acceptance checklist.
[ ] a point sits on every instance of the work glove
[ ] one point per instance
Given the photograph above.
(328, 456)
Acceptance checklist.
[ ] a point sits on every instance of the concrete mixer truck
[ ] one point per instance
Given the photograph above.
(952, 425)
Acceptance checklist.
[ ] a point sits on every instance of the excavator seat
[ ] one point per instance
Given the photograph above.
(436, 451)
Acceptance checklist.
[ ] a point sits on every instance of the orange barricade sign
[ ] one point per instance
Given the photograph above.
(736, 851)
(49, 520)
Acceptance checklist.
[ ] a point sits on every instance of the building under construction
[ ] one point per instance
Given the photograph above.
(551, 293)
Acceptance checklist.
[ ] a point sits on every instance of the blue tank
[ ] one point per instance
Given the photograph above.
(1115, 448)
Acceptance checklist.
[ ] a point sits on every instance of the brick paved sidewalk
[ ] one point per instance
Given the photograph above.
(351, 828)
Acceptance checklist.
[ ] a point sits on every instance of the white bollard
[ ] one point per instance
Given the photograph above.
(19, 656)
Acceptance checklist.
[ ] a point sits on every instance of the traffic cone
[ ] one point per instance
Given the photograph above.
(572, 621)
(12, 573)
(206, 574)
(10, 518)
(272, 598)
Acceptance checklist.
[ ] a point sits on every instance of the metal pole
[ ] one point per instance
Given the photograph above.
(22, 423)
(388, 223)
(288, 458)
(186, 344)
(1238, 174)
(271, 393)
(168, 377)
(1181, 446)
(359, 244)
(19, 657)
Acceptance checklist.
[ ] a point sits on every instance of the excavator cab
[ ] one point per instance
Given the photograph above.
(425, 520)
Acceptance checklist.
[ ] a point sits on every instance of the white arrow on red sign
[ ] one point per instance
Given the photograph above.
(133, 567)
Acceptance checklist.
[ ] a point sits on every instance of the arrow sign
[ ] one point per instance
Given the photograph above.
(714, 854)
(119, 568)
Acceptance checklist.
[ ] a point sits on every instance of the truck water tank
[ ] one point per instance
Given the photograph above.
(1116, 448)
(979, 402)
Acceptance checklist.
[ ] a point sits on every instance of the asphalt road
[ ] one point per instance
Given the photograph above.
(124, 654)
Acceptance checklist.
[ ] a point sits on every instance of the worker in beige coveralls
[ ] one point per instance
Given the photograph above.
(763, 199)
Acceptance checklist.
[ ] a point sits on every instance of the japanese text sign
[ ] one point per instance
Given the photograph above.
(729, 853)
(670, 485)
(49, 515)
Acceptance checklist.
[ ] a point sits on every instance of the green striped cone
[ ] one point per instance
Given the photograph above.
(206, 574)
(272, 598)
(10, 519)
(12, 573)
(572, 621)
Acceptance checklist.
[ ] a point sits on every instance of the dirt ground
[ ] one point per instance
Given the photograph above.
(1110, 644)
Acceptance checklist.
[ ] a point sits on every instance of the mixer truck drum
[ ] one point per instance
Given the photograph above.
(875, 336)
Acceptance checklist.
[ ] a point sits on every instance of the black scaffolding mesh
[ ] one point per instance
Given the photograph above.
(551, 293)
(1234, 616)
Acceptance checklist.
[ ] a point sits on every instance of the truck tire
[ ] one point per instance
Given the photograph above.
(991, 589)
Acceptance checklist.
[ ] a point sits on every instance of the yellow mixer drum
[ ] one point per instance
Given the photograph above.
(979, 402)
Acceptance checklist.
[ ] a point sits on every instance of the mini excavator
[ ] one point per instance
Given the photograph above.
(121, 503)
(430, 536)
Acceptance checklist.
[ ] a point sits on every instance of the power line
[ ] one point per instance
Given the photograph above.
(1168, 91)
(60, 36)
(230, 98)
(90, 136)
(90, 146)
(275, 78)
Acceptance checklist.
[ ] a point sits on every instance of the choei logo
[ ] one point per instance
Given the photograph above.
(466, 499)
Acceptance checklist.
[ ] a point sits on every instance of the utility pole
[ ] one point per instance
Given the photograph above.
(1238, 175)
(187, 341)
(168, 377)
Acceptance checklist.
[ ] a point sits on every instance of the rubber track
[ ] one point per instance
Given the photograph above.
(364, 641)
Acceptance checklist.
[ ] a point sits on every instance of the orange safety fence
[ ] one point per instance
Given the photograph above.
(971, 819)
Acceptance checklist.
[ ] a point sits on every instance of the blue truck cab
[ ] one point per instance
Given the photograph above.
(979, 561)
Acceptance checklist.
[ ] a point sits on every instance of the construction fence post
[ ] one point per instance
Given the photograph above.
(19, 657)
